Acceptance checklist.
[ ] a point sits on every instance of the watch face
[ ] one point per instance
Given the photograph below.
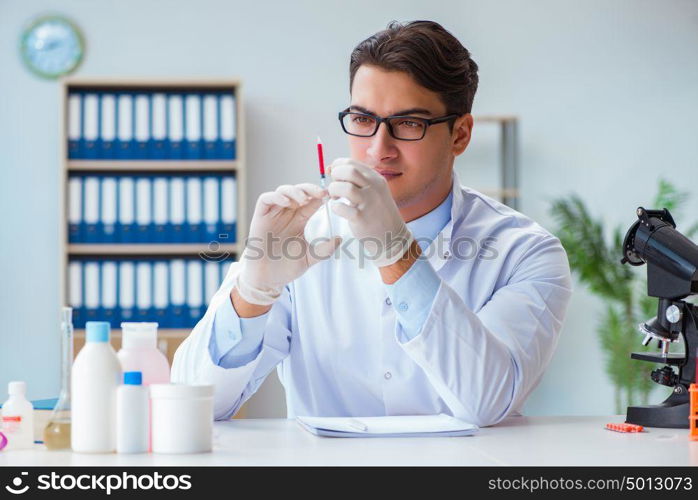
(51, 47)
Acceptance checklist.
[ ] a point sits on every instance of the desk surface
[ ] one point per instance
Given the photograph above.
(524, 441)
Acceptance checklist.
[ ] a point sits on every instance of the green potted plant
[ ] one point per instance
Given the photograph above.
(623, 288)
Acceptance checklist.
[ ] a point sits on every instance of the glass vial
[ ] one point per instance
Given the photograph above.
(57, 432)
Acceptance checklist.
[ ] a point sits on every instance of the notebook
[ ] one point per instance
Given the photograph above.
(398, 426)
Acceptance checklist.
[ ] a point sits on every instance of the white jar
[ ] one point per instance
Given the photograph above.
(182, 418)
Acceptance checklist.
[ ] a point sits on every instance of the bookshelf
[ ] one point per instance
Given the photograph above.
(112, 163)
(508, 192)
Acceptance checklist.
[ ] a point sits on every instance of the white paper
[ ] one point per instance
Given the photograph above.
(397, 425)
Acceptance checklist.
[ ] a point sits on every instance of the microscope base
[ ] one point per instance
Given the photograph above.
(672, 413)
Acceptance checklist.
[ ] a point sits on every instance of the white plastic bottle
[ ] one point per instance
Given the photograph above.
(95, 377)
(139, 352)
(18, 418)
(132, 415)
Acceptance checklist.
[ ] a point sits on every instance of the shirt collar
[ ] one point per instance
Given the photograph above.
(426, 227)
(439, 251)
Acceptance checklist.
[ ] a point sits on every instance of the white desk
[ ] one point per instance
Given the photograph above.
(543, 441)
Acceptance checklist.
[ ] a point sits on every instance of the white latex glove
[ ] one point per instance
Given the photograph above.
(277, 227)
(373, 216)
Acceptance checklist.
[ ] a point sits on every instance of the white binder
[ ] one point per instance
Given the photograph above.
(211, 208)
(142, 132)
(211, 279)
(75, 209)
(91, 208)
(127, 281)
(159, 123)
(193, 125)
(126, 210)
(109, 290)
(74, 123)
(125, 132)
(143, 208)
(175, 125)
(91, 116)
(178, 280)
(228, 118)
(229, 208)
(109, 188)
(210, 125)
(177, 209)
(144, 283)
(177, 316)
(194, 208)
(195, 292)
(91, 285)
(108, 125)
(160, 288)
(75, 286)
(160, 194)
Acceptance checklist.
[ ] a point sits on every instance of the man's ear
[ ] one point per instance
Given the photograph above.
(462, 131)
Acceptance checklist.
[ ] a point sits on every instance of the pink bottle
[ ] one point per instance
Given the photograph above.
(139, 353)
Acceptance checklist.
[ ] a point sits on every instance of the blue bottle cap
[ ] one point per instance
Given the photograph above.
(133, 378)
(97, 331)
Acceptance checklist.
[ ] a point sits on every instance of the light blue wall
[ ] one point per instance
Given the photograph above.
(606, 93)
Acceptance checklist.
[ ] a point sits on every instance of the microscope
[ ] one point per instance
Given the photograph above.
(672, 275)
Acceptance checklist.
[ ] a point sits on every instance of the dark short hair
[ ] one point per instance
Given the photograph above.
(429, 54)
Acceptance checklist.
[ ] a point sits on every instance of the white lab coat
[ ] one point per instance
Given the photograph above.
(335, 341)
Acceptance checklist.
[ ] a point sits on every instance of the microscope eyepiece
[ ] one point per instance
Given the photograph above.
(672, 258)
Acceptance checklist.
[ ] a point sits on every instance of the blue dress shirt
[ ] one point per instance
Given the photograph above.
(412, 296)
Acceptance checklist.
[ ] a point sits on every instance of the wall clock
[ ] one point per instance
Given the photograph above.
(52, 46)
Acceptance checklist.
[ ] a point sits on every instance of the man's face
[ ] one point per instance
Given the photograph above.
(418, 172)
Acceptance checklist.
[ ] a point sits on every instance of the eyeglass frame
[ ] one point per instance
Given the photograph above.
(427, 121)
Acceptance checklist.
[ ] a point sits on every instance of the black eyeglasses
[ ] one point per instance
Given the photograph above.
(403, 128)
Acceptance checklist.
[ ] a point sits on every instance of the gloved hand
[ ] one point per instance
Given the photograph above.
(373, 216)
(277, 227)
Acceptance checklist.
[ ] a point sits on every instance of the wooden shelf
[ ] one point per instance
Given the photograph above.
(153, 249)
(163, 333)
(495, 118)
(153, 165)
(501, 193)
(214, 83)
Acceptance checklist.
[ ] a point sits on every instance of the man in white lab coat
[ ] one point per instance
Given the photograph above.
(430, 298)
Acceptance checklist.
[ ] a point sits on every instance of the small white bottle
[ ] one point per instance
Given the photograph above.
(18, 418)
(95, 377)
(132, 415)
